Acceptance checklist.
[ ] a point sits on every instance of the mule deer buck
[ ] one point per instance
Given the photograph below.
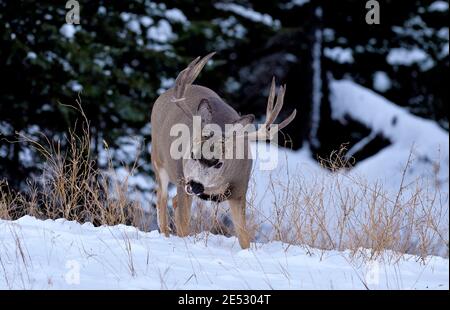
(215, 179)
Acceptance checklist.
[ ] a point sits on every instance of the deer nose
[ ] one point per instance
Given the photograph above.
(194, 188)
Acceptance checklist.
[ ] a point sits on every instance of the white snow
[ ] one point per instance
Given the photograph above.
(416, 30)
(381, 81)
(131, 22)
(31, 55)
(248, 13)
(26, 157)
(162, 32)
(125, 16)
(403, 129)
(66, 255)
(406, 132)
(231, 27)
(403, 56)
(75, 86)
(134, 26)
(339, 54)
(3, 150)
(294, 3)
(299, 2)
(46, 107)
(5, 128)
(166, 83)
(231, 85)
(378, 113)
(438, 6)
(51, 57)
(444, 51)
(60, 254)
(270, 193)
(407, 57)
(68, 31)
(139, 186)
(176, 15)
(128, 70)
(146, 21)
(443, 33)
(101, 10)
(328, 34)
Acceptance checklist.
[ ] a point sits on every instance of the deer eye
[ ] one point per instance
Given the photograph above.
(218, 165)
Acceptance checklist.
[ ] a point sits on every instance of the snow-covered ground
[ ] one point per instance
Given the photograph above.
(59, 254)
(283, 201)
(416, 159)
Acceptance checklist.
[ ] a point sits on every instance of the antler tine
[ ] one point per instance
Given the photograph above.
(182, 78)
(193, 62)
(288, 120)
(278, 105)
(271, 99)
(266, 132)
(188, 75)
(198, 66)
(180, 84)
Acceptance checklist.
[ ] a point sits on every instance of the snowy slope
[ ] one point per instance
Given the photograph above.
(299, 184)
(59, 254)
(276, 169)
(407, 133)
(429, 143)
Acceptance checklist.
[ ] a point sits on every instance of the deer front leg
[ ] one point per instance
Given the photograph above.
(238, 215)
(182, 206)
(161, 204)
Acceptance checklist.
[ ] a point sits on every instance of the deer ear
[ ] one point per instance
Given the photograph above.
(245, 120)
(204, 110)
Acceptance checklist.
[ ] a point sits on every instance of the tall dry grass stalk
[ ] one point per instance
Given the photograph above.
(71, 186)
(338, 211)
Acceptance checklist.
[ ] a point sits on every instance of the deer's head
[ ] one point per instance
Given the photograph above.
(219, 152)
(215, 160)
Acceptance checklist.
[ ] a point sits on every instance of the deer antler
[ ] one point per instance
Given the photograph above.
(188, 76)
(184, 79)
(268, 130)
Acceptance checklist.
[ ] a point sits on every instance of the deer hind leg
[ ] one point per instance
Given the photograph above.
(238, 215)
(182, 206)
(161, 205)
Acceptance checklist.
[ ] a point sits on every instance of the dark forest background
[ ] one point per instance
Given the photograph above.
(123, 54)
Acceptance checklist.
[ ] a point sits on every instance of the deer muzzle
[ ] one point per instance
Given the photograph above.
(194, 188)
